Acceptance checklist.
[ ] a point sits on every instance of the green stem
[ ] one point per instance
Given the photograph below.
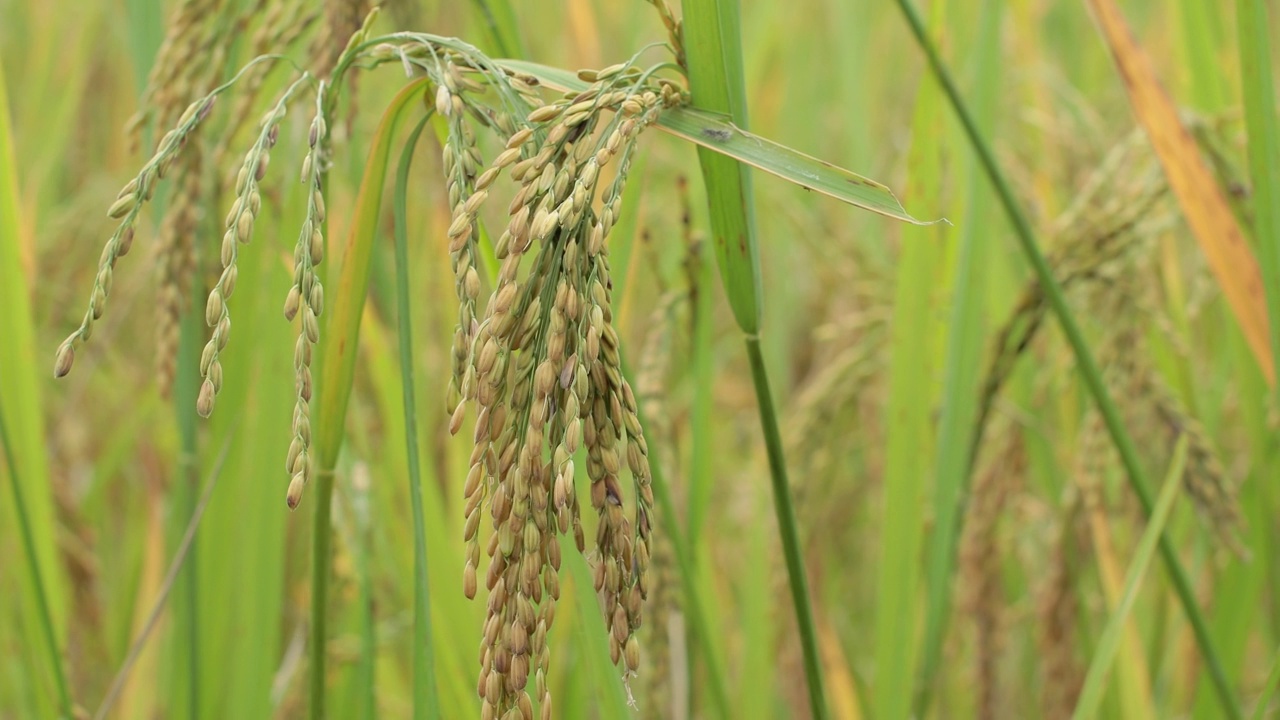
(426, 703)
(42, 599)
(320, 548)
(185, 389)
(1087, 364)
(787, 529)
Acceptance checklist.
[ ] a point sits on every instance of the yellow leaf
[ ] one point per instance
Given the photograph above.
(1202, 200)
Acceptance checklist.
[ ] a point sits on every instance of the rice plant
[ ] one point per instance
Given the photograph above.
(927, 488)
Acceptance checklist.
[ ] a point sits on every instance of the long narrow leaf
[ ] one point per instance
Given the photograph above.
(1100, 667)
(717, 132)
(426, 703)
(910, 438)
(962, 367)
(1264, 151)
(338, 365)
(24, 448)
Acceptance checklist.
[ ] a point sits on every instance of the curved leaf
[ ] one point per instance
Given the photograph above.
(715, 132)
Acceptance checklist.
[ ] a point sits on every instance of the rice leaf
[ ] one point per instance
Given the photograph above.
(1264, 151)
(339, 340)
(24, 447)
(962, 366)
(910, 437)
(1202, 200)
(1100, 666)
(426, 703)
(716, 132)
(1088, 365)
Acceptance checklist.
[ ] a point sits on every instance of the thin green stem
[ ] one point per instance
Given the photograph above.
(186, 386)
(180, 555)
(42, 599)
(787, 529)
(320, 548)
(426, 703)
(1088, 366)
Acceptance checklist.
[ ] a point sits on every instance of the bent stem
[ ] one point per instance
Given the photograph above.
(1088, 366)
(787, 527)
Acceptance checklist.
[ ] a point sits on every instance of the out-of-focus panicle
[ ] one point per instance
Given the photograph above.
(981, 554)
(1057, 617)
(176, 266)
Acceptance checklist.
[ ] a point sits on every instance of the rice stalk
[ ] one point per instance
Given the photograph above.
(542, 365)
(306, 297)
(540, 360)
(1087, 365)
(713, 47)
(338, 361)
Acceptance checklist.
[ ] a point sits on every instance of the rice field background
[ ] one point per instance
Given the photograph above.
(1009, 497)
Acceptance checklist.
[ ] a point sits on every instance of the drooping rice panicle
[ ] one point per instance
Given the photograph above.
(239, 224)
(306, 298)
(126, 208)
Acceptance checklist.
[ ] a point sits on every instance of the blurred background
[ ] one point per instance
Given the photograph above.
(861, 332)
